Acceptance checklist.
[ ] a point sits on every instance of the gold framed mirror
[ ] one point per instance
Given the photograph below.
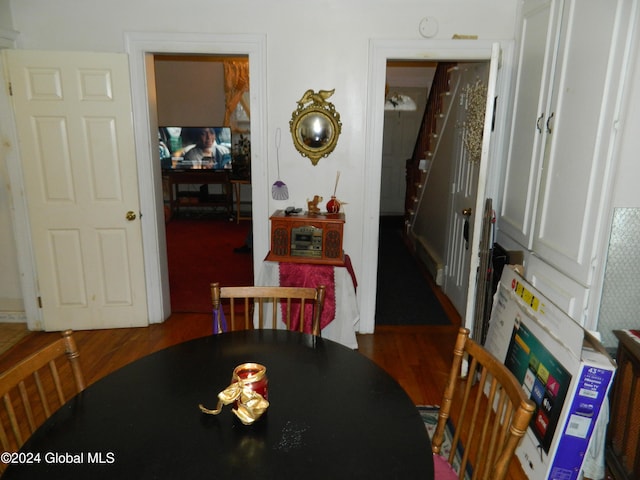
(315, 125)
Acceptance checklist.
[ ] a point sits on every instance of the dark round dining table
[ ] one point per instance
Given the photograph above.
(333, 414)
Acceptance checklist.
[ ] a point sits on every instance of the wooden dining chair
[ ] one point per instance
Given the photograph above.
(291, 301)
(33, 389)
(490, 413)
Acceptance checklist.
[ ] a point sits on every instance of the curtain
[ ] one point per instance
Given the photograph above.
(236, 84)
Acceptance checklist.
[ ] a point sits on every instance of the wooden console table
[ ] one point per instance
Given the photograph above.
(307, 238)
(199, 199)
(623, 435)
(237, 190)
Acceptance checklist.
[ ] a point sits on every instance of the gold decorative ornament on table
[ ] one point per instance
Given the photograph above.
(312, 205)
(248, 391)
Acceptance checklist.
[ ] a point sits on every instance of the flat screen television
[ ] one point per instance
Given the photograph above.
(195, 148)
(543, 378)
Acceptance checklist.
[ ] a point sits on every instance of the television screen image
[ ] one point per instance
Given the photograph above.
(543, 377)
(195, 148)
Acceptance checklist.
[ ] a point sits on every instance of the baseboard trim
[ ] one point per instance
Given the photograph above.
(431, 262)
(13, 317)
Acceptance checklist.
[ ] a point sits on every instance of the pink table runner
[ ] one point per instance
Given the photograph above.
(311, 276)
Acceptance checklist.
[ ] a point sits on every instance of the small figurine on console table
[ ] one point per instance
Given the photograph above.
(312, 205)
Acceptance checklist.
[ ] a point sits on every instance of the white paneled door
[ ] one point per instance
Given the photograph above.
(474, 125)
(470, 82)
(400, 131)
(74, 123)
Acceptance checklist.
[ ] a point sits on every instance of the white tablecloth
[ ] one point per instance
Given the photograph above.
(344, 326)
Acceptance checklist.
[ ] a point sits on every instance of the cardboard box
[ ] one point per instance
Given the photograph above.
(563, 368)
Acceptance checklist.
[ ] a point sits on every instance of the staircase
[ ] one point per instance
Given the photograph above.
(419, 165)
(441, 180)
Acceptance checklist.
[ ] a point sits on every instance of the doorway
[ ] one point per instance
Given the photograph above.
(380, 53)
(400, 273)
(204, 98)
(142, 47)
(441, 161)
(407, 86)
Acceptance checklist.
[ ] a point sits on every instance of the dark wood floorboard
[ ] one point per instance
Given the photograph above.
(418, 357)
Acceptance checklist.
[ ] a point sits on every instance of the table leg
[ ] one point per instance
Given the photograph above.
(236, 188)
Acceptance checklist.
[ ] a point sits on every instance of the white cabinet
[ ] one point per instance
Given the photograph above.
(537, 52)
(578, 155)
(567, 98)
(570, 296)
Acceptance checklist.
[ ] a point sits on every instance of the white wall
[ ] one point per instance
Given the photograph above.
(626, 191)
(620, 294)
(322, 46)
(6, 19)
(190, 91)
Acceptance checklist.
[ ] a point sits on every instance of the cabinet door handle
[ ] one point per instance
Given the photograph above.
(549, 122)
(538, 125)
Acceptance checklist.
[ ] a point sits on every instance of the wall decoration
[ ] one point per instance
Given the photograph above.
(476, 98)
(315, 125)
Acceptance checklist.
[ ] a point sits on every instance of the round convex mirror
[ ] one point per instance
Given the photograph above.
(315, 125)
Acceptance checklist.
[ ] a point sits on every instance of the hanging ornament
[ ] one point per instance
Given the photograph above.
(279, 190)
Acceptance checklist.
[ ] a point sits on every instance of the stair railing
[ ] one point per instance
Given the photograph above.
(425, 143)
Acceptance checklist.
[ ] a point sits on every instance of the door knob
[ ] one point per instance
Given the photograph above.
(466, 212)
(131, 216)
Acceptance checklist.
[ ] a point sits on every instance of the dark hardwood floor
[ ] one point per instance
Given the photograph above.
(418, 357)
(398, 350)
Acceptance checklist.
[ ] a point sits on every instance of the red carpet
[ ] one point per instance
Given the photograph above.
(200, 251)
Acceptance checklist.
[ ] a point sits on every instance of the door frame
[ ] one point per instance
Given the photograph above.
(434, 50)
(18, 201)
(141, 48)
